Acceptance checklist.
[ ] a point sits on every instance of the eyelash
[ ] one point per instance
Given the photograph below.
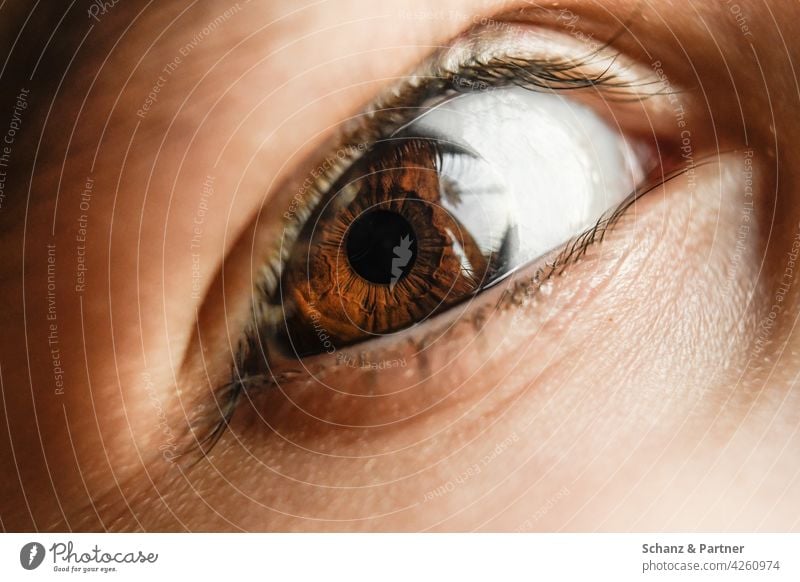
(388, 117)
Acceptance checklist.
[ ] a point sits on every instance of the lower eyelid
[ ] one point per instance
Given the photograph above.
(442, 379)
(419, 370)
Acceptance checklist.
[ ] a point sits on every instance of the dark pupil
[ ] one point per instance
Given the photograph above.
(381, 246)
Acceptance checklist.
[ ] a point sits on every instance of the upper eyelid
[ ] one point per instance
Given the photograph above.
(441, 76)
(435, 79)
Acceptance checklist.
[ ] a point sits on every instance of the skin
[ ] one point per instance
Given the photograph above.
(640, 390)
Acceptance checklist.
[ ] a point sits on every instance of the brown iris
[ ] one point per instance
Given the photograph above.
(382, 254)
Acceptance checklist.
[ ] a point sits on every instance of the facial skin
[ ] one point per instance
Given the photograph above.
(648, 387)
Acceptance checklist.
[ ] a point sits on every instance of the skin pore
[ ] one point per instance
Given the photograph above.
(650, 386)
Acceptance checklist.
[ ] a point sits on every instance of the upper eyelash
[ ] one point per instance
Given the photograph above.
(387, 115)
(390, 114)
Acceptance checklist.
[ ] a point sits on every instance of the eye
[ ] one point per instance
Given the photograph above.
(473, 188)
(434, 214)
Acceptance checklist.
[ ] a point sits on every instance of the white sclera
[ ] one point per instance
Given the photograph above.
(550, 167)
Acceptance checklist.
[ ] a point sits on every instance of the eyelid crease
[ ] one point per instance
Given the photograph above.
(443, 77)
